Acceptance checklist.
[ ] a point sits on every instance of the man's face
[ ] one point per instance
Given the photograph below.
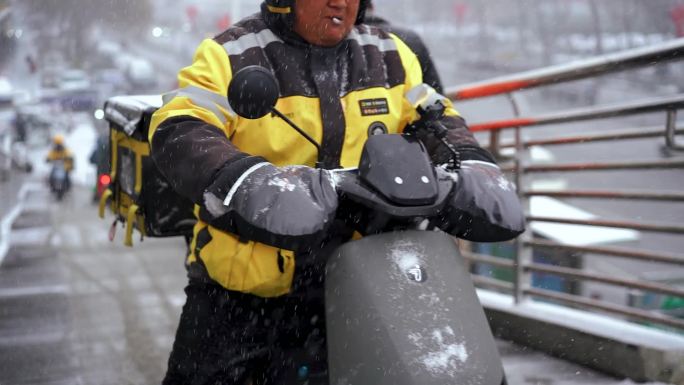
(325, 22)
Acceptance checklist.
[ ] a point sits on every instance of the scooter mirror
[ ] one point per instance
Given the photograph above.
(253, 92)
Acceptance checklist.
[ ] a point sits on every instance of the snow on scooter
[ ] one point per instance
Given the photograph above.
(401, 308)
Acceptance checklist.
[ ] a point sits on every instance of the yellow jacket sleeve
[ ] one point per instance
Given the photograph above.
(202, 91)
(189, 134)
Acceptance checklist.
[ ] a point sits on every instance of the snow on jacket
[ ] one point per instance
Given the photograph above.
(338, 95)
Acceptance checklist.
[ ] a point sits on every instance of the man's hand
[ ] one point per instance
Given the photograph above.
(289, 207)
(484, 206)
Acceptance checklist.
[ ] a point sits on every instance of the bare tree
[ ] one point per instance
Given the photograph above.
(75, 18)
(596, 25)
(483, 28)
(521, 26)
(544, 33)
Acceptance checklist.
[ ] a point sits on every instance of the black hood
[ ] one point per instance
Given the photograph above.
(376, 21)
(279, 16)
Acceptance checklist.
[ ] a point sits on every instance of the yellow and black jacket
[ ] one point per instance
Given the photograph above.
(60, 153)
(338, 95)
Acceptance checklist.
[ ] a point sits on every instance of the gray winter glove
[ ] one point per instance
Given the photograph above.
(289, 207)
(484, 206)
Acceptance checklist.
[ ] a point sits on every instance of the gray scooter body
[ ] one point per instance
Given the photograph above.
(402, 310)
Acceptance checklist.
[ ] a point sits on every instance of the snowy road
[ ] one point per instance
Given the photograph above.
(77, 309)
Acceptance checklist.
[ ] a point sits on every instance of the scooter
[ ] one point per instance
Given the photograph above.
(58, 179)
(401, 308)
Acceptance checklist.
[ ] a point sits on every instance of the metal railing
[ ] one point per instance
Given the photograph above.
(523, 266)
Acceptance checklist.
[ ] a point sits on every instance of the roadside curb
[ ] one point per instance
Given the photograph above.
(8, 220)
(609, 345)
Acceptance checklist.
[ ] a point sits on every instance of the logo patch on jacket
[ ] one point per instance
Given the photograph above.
(370, 107)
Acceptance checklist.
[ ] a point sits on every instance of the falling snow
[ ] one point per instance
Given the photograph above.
(283, 183)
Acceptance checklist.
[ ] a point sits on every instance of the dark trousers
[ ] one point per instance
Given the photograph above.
(226, 337)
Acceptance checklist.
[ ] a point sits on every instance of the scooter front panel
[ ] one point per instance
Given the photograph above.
(401, 309)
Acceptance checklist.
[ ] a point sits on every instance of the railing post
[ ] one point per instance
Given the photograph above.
(670, 130)
(494, 143)
(523, 255)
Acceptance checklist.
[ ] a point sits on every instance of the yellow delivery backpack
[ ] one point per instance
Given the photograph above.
(138, 195)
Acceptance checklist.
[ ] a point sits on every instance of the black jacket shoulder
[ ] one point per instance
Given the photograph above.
(251, 24)
(416, 44)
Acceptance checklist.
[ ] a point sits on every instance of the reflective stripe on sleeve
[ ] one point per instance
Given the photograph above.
(423, 96)
(384, 45)
(236, 185)
(203, 99)
(468, 163)
(253, 40)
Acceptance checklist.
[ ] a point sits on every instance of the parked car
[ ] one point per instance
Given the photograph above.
(20, 157)
(6, 127)
(5, 148)
(6, 93)
(108, 49)
(33, 123)
(49, 77)
(76, 91)
(122, 61)
(73, 80)
(141, 75)
(110, 82)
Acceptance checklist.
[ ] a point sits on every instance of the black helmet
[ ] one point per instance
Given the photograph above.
(284, 10)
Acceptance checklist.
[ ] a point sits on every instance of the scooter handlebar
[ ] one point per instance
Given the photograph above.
(350, 188)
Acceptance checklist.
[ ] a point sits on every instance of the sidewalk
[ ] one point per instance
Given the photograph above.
(10, 206)
(33, 336)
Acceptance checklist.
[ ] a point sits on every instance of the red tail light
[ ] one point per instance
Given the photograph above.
(105, 179)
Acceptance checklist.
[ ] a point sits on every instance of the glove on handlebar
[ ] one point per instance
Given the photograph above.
(484, 206)
(288, 207)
